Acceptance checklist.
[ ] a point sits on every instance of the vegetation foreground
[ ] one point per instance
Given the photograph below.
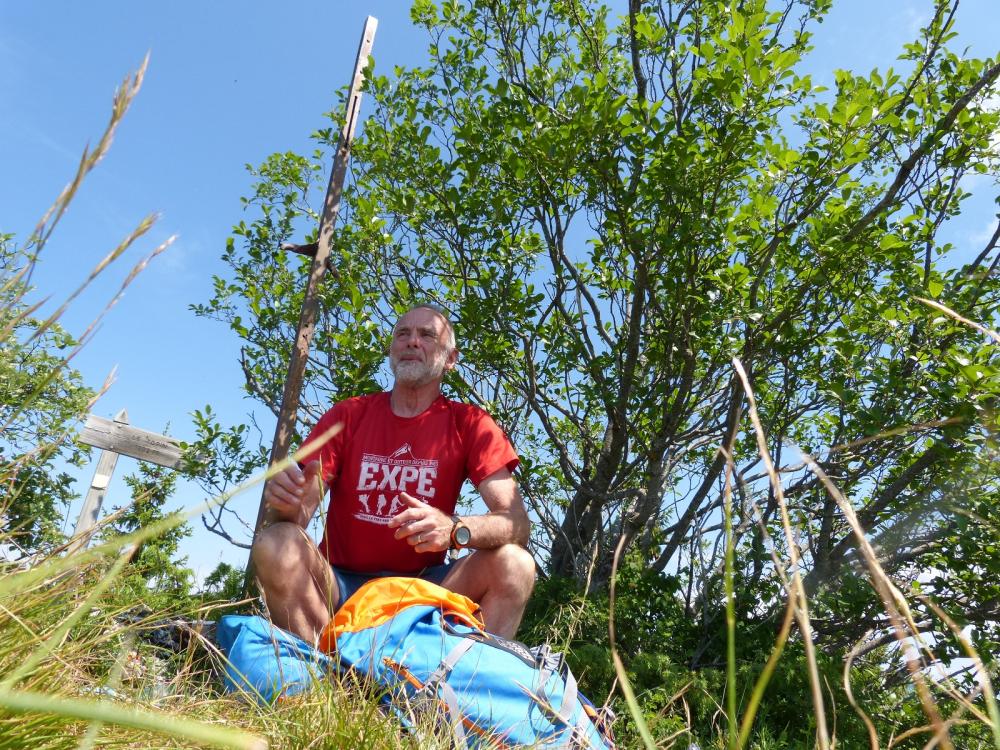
(719, 588)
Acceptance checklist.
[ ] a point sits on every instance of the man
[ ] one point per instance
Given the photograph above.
(394, 471)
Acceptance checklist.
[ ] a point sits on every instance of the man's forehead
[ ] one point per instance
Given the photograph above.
(421, 316)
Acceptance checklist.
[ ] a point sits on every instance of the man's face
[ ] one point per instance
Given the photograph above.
(419, 354)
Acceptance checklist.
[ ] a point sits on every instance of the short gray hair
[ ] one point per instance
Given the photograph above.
(449, 329)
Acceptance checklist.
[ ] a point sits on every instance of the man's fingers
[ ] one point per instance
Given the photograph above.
(410, 530)
(423, 530)
(284, 485)
(404, 518)
(310, 471)
(280, 505)
(417, 512)
(280, 494)
(418, 525)
(427, 541)
(411, 500)
(417, 539)
(293, 481)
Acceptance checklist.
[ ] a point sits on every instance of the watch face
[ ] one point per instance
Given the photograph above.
(462, 535)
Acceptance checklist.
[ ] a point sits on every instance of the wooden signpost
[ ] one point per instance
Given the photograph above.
(310, 305)
(116, 437)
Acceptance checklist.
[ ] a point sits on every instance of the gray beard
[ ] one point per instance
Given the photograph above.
(414, 373)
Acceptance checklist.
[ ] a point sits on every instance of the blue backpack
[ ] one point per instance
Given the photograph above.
(266, 662)
(426, 648)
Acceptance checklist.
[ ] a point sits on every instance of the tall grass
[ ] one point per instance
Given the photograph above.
(979, 706)
(80, 687)
(57, 638)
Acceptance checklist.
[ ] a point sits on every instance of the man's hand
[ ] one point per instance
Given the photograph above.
(294, 494)
(424, 527)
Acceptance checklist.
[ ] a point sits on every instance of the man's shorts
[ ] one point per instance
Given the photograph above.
(348, 581)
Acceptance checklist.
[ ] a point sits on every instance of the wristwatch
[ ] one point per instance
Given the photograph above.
(461, 535)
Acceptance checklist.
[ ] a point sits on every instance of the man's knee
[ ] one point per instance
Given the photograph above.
(280, 550)
(516, 567)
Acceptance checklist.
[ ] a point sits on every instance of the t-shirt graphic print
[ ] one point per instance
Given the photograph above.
(382, 478)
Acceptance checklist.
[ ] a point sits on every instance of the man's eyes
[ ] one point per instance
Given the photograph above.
(429, 335)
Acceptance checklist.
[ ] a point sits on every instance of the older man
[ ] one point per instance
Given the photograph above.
(394, 472)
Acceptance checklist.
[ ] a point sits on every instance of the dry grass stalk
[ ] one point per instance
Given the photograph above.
(873, 743)
(85, 337)
(121, 102)
(892, 599)
(952, 314)
(904, 430)
(982, 674)
(144, 226)
(798, 591)
(781, 640)
(136, 270)
(729, 574)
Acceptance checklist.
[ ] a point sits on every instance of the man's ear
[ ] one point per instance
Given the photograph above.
(452, 360)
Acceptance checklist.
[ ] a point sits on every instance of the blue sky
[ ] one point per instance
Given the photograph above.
(229, 83)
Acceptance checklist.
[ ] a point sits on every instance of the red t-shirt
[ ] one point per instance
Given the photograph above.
(377, 455)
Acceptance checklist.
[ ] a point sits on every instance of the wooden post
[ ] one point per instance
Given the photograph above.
(310, 305)
(116, 437)
(95, 495)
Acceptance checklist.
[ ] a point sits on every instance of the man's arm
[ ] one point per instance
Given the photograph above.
(429, 529)
(507, 522)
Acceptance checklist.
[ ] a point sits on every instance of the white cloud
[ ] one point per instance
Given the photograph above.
(979, 238)
(914, 17)
(175, 259)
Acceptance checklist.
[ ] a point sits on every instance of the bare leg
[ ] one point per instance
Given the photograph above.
(298, 586)
(501, 581)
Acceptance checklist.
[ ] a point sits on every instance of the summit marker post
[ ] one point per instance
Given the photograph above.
(310, 305)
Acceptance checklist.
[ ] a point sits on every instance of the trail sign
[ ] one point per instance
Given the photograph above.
(116, 437)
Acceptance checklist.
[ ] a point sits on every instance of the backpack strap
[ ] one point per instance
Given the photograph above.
(569, 696)
(447, 694)
(550, 663)
(448, 663)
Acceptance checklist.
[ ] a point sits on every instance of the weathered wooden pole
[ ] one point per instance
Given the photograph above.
(95, 495)
(310, 305)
